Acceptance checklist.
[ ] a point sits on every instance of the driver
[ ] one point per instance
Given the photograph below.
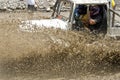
(95, 18)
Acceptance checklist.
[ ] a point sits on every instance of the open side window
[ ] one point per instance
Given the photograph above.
(83, 16)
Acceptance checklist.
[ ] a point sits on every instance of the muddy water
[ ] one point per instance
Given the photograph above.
(55, 54)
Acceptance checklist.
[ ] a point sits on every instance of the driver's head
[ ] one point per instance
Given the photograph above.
(94, 10)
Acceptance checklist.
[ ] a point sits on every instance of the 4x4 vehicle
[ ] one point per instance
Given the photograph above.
(63, 17)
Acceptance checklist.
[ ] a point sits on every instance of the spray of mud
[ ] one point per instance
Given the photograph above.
(52, 52)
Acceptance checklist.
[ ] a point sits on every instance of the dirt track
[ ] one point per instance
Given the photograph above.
(54, 55)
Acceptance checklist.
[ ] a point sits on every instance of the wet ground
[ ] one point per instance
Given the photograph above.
(54, 54)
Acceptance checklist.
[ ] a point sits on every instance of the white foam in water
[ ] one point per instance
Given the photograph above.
(34, 25)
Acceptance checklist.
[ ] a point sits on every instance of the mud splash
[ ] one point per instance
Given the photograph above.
(56, 53)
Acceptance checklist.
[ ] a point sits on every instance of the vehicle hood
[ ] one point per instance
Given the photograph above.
(34, 25)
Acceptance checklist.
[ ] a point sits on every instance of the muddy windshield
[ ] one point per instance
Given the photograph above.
(62, 11)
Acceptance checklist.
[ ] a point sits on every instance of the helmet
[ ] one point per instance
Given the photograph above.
(94, 10)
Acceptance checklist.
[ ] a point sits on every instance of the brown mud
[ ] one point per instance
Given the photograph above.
(55, 54)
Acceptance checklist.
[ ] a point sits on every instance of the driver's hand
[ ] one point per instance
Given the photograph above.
(92, 22)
